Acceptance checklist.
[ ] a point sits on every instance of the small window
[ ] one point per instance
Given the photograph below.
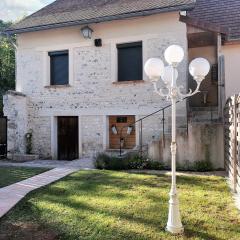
(59, 67)
(130, 63)
(121, 119)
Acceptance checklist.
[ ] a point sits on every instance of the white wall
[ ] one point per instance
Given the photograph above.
(204, 142)
(93, 89)
(232, 69)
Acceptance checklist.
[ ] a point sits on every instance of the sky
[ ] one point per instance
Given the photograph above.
(13, 10)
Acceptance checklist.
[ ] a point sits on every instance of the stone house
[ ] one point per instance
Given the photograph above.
(75, 93)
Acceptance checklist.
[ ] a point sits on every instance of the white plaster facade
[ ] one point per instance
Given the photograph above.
(232, 61)
(93, 93)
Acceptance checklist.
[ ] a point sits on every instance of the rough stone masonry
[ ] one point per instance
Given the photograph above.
(93, 92)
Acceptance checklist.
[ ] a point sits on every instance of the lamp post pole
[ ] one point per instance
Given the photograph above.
(174, 223)
(155, 70)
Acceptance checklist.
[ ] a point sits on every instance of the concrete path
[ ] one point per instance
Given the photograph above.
(85, 163)
(11, 195)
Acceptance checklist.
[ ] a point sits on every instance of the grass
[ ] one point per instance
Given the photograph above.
(100, 205)
(10, 175)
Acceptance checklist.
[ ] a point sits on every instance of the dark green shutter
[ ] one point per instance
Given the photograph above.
(130, 63)
(59, 67)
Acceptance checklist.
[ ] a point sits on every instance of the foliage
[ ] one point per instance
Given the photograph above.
(134, 161)
(28, 139)
(197, 166)
(130, 161)
(104, 161)
(7, 62)
(203, 166)
(100, 205)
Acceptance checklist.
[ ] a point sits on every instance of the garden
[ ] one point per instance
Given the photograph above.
(100, 205)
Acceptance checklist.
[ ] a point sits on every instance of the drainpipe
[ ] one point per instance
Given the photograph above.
(221, 77)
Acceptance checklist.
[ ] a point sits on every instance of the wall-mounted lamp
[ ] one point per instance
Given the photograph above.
(87, 32)
(129, 130)
(122, 142)
(114, 130)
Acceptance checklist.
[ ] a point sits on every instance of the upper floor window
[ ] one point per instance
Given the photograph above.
(130, 62)
(59, 67)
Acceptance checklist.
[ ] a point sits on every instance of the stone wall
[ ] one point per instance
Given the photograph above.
(93, 92)
(202, 142)
(16, 109)
(92, 128)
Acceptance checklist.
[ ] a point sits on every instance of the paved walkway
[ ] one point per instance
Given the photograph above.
(11, 195)
(85, 163)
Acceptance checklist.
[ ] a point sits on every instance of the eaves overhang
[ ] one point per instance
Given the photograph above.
(185, 7)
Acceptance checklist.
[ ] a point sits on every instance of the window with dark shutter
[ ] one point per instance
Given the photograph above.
(59, 67)
(130, 63)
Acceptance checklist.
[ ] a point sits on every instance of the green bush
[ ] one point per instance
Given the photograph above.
(133, 161)
(153, 165)
(100, 161)
(104, 161)
(199, 166)
(130, 161)
(203, 166)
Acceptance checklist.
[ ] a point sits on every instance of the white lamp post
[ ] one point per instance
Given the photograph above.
(155, 70)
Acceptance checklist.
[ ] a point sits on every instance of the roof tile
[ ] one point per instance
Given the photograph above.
(224, 13)
(72, 12)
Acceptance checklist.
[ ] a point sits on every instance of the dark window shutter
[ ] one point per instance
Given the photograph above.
(130, 63)
(59, 67)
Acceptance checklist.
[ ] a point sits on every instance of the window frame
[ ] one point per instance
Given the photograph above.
(58, 53)
(138, 43)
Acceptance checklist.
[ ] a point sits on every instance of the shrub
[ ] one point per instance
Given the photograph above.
(28, 139)
(198, 166)
(101, 160)
(116, 163)
(134, 162)
(203, 166)
(104, 161)
(130, 161)
(154, 165)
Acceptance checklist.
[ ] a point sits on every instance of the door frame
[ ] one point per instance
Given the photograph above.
(68, 138)
(54, 136)
(107, 138)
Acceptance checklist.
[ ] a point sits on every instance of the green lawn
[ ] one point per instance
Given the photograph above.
(10, 175)
(103, 205)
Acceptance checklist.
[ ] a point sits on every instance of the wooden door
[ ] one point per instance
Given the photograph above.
(68, 138)
(121, 123)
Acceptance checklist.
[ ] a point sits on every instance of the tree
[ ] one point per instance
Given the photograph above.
(7, 62)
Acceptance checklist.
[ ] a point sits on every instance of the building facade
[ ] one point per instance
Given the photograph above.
(93, 93)
(76, 95)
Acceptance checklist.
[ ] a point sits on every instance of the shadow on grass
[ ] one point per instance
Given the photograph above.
(10, 175)
(111, 205)
(205, 182)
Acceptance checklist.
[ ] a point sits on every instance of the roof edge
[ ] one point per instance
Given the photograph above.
(184, 7)
(203, 25)
(231, 41)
